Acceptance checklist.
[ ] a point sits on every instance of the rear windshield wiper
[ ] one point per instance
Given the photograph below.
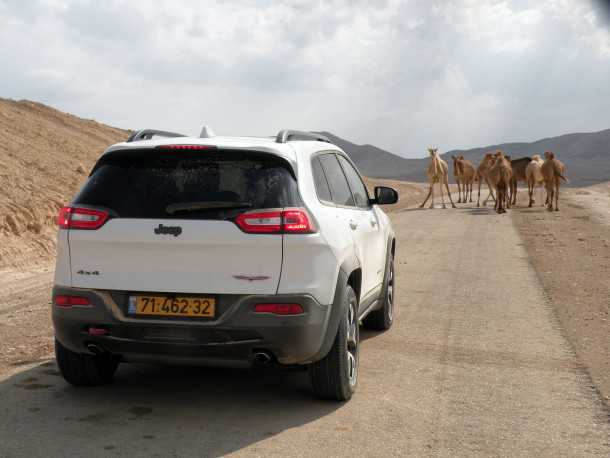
(207, 205)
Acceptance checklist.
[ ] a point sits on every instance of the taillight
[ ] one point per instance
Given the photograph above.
(71, 301)
(297, 221)
(279, 309)
(286, 221)
(81, 218)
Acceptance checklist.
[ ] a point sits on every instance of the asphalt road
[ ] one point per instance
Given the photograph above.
(475, 365)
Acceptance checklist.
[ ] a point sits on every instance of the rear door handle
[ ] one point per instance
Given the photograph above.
(353, 224)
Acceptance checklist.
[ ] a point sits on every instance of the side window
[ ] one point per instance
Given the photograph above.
(339, 189)
(355, 183)
(319, 179)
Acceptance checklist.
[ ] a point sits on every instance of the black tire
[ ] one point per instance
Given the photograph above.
(83, 369)
(382, 319)
(336, 375)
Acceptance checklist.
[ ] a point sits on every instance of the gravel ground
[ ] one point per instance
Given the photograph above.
(477, 364)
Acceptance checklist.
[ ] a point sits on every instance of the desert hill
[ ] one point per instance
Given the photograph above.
(45, 155)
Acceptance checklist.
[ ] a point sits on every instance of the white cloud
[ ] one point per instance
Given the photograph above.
(399, 74)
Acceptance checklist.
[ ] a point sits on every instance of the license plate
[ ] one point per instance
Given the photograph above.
(204, 307)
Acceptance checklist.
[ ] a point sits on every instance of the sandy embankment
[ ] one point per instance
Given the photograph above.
(45, 155)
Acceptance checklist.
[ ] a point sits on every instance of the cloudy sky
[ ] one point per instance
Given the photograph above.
(398, 74)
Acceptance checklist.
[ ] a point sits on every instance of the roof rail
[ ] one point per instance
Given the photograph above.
(286, 135)
(147, 134)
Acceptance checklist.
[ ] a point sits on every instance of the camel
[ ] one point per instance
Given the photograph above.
(500, 175)
(482, 172)
(457, 175)
(465, 175)
(438, 172)
(518, 166)
(534, 178)
(553, 171)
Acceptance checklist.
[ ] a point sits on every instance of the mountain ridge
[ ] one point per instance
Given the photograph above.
(586, 155)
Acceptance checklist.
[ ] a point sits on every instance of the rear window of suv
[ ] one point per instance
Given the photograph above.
(192, 185)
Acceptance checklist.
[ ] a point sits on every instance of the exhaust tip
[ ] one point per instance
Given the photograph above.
(95, 349)
(262, 358)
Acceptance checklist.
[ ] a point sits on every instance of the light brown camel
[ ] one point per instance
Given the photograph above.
(438, 172)
(465, 175)
(482, 175)
(553, 171)
(518, 166)
(500, 175)
(534, 178)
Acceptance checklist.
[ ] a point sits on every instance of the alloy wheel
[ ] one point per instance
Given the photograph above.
(352, 343)
(390, 292)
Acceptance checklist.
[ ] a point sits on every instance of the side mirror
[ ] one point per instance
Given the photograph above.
(385, 195)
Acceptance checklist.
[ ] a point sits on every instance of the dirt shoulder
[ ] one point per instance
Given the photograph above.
(570, 251)
(26, 331)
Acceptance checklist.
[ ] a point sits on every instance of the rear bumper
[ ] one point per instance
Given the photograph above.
(229, 340)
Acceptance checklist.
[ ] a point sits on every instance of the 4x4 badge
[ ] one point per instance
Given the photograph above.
(173, 230)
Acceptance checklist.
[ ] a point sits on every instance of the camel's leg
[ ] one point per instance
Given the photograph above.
(432, 202)
(513, 192)
(549, 197)
(557, 194)
(498, 204)
(427, 197)
(440, 185)
(459, 190)
(500, 198)
(530, 191)
(449, 192)
(471, 184)
(491, 193)
(479, 193)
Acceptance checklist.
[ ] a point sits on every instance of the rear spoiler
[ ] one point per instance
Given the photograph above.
(147, 134)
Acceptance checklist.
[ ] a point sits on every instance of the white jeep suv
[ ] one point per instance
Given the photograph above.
(222, 251)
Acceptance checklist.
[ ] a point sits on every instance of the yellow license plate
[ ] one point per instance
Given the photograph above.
(173, 306)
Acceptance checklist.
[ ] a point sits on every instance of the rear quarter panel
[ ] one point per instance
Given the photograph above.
(311, 262)
(63, 276)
